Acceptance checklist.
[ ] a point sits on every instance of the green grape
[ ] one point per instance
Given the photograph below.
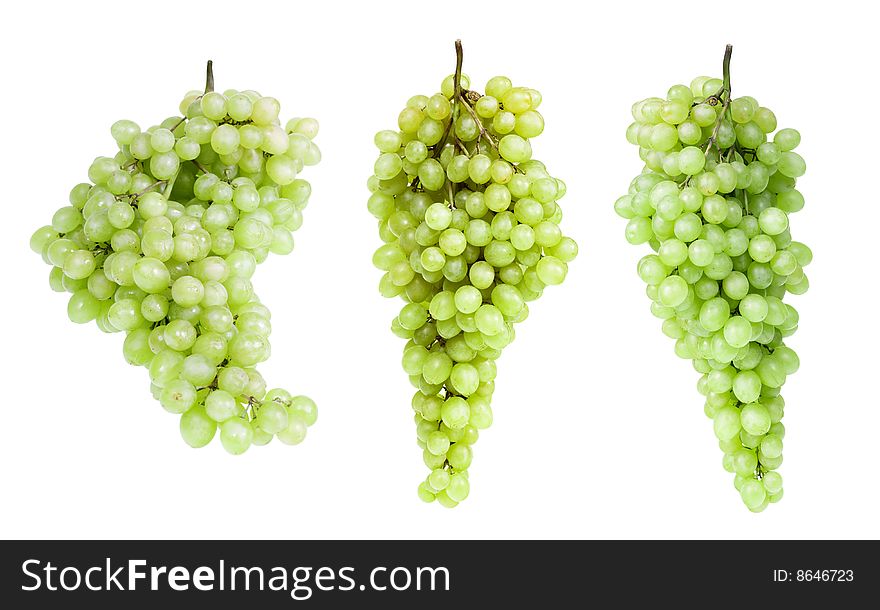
(162, 244)
(714, 201)
(470, 225)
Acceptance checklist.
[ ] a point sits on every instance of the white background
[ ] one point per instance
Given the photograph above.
(599, 431)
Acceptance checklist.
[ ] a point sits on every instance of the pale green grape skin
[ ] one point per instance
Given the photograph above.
(445, 501)
(304, 408)
(459, 456)
(715, 201)
(187, 291)
(83, 307)
(221, 406)
(162, 242)
(753, 493)
(125, 314)
(233, 379)
(272, 417)
(438, 443)
(136, 348)
(469, 224)
(755, 419)
(438, 480)
(468, 299)
(124, 131)
(79, 264)
(295, 433)
(41, 238)
(673, 291)
(196, 428)
(727, 423)
(151, 275)
(458, 488)
(737, 331)
(551, 270)
(198, 369)
(425, 494)
(772, 482)
(178, 396)
(236, 435)
(180, 335)
(465, 378)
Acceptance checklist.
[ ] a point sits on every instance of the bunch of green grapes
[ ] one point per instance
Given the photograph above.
(470, 225)
(713, 202)
(161, 244)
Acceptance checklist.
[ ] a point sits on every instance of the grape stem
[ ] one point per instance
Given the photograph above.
(459, 59)
(484, 133)
(201, 167)
(460, 96)
(725, 68)
(464, 97)
(722, 96)
(209, 77)
(169, 185)
(177, 124)
(146, 190)
(250, 411)
(438, 148)
(444, 139)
